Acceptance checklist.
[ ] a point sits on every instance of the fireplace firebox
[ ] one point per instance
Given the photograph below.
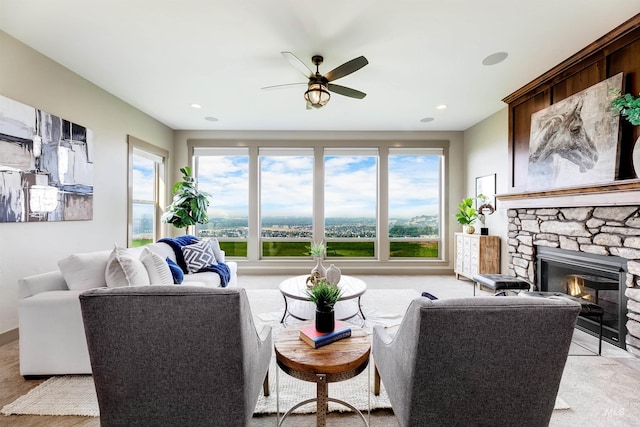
(595, 278)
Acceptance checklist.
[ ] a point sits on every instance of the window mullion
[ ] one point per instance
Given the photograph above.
(383, 205)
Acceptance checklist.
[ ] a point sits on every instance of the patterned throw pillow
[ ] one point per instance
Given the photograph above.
(157, 268)
(198, 255)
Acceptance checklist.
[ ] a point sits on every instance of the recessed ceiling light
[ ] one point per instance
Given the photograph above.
(427, 119)
(495, 58)
(196, 105)
(211, 119)
(441, 106)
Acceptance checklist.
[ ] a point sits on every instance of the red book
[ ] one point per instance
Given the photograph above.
(317, 339)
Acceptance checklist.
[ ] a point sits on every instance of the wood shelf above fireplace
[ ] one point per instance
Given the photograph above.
(619, 193)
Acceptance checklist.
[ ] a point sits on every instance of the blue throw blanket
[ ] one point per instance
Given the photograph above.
(178, 242)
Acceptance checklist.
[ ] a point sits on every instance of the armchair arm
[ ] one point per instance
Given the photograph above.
(380, 333)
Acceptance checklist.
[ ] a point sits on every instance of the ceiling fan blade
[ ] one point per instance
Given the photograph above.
(284, 86)
(346, 91)
(346, 68)
(297, 64)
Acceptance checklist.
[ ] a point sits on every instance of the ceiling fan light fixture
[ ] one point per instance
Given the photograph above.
(317, 95)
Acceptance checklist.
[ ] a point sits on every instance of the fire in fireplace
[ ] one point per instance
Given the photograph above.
(595, 278)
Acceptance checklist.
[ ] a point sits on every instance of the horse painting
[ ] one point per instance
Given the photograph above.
(567, 146)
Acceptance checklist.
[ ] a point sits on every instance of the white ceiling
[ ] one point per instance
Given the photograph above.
(161, 56)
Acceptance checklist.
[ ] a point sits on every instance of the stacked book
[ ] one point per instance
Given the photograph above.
(317, 339)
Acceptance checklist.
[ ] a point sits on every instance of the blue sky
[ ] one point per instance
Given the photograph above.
(350, 185)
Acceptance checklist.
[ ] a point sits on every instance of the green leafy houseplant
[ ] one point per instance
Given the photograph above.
(466, 215)
(324, 296)
(316, 249)
(189, 205)
(627, 105)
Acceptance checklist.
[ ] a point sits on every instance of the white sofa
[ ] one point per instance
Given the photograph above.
(52, 338)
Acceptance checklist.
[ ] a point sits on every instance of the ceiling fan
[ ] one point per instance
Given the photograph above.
(319, 86)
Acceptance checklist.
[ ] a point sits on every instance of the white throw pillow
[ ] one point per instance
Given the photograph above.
(157, 268)
(124, 268)
(198, 255)
(85, 270)
(217, 252)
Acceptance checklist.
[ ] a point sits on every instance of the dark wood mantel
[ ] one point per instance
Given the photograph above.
(615, 52)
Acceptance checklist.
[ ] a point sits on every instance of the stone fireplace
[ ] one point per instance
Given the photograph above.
(605, 232)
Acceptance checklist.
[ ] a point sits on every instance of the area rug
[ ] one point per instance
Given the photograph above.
(75, 395)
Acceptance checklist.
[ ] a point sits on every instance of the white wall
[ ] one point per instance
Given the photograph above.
(486, 152)
(29, 248)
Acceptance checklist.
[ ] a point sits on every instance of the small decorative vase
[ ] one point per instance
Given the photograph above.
(325, 321)
(333, 275)
(468, 229)
(319, 268)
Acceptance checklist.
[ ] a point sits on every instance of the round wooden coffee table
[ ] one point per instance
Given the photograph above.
(298, 305)
(338, 361)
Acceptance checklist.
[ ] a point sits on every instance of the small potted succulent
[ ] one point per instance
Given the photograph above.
(467, 215)
(325, 297)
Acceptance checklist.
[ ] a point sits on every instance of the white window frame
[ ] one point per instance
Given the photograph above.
(292, 141)
(160, 157)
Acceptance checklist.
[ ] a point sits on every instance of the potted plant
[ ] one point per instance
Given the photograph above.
(189, 205)
(316, 250)
(324, 296)
(467, 215)
(627, 105)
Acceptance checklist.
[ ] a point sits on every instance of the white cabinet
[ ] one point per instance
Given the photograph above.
(476, 254)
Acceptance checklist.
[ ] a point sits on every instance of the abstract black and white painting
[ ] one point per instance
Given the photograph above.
(46, 166)
(574, 142)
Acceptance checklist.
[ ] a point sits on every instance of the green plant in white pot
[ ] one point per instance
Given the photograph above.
(317, 251)
(467, 215)
(189, 205)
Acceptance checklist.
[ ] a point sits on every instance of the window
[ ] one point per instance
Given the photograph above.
(414, 203)
(146, 183)
(286, 201)
(350, 202)
(224, 173)
(369, 201)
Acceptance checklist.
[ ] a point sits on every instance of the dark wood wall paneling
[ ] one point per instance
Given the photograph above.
(618, 51)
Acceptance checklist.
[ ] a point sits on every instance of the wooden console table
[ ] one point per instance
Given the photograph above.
(476, 254)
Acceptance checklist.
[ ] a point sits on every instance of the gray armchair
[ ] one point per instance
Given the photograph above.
(483, 361)
(175, 355)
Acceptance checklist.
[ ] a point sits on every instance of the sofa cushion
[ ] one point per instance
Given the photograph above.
(84, 270)
(157, 268)
(217, 252)
(198, 255)
(124, 268)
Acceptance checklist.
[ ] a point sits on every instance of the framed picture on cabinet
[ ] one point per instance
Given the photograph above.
(486, 185)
